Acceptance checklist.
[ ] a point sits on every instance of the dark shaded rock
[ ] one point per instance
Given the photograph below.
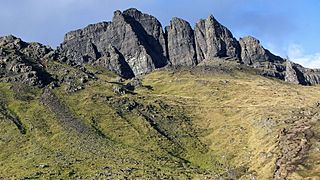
(134, 44)
(119, 89)
(181, 45)
(214, 40)
(137, 37)
(133, 84)
(23, 62)
(11, 42)
(304, 76)
(115, 62)
(150, 33)
(78, 45)
(253, 53)
(291, 74)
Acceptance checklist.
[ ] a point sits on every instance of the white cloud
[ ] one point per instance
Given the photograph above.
(297, 54)
(273, 48)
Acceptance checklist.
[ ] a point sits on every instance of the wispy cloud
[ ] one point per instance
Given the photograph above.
(297, 54)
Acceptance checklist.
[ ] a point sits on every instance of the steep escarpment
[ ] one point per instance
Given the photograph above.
(137, 44)
(181, 44)
(129, 99)
(134, 43)
(214, 40)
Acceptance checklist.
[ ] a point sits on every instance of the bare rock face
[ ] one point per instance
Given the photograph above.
(122, 36)
(115, 62)
(134, 43)
(252, 52)
(79, 45)
(214, 40)
(23, 62)
(137, 37)
(291, 74)
(150, 34)
(311, 76)
(181, 44)
(304, 76)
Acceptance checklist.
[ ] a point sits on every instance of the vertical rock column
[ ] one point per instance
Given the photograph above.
(181, 45)
(214, 40)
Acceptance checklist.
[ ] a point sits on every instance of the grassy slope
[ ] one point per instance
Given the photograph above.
(243, 111)
(223, 123)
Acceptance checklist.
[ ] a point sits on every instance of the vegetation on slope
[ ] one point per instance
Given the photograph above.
(209, 121)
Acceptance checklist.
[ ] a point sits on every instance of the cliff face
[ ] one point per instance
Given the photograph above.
(181, 43)
(214, 40)
(139, 46)
(206, 115)
(137, 39)
(134, 43)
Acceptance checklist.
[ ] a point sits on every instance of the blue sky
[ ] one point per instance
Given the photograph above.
(287, 27)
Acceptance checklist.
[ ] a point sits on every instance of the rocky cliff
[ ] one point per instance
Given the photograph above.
(24, 62)
(135, 43)
(139, 46)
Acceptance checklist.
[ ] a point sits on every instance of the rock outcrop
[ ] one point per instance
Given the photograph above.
(150, 34)
(23, 62)
(255, 55)
(134, 44)
(297, 74)
(252, 52)
(136, 37)
(214, 40)
(181, 44)
(115, 62)
(291, 74)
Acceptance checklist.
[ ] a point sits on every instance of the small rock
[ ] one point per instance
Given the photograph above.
(43, 166)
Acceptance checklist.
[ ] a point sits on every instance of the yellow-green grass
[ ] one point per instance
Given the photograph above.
(226, 124)
(243, 111)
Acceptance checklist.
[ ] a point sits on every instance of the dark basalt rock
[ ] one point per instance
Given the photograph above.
(136, 36)
(149, 31)
(253, 53)
(134, 44)
(23, 62)
(214, 40)
(115, 62)
(299, 75)
(181, 45)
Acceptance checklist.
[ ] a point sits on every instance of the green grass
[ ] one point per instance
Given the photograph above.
(192, 124)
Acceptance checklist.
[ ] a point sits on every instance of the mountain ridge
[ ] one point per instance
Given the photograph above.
(187, 46)
(135, 43)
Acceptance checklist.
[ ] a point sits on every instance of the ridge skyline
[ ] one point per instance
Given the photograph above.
(273, 23)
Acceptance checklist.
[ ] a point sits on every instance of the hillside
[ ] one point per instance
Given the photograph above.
(211, 121)
(128, 99)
